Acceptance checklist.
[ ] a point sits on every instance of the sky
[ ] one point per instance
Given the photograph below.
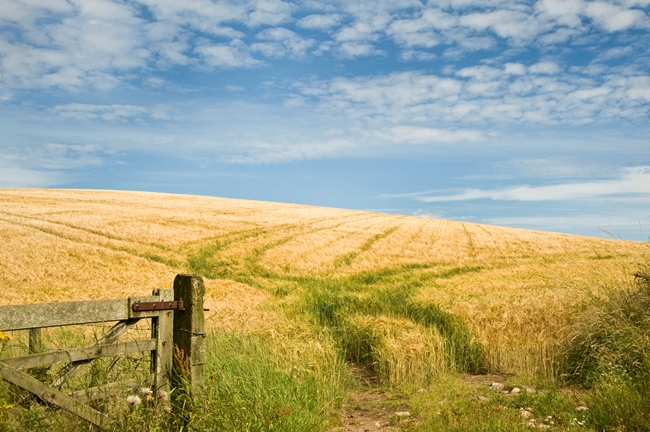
(529, 114)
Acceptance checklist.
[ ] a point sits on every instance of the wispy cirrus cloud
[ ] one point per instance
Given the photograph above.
(544, 168)
(17, 177)
(111, 112)
(633, 181)
(48, 164)
(420, 135)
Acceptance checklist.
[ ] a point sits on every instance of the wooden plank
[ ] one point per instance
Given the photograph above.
(110, 389)
(52, 396)
(162, 330)
(110, 337)
(24, 317)
(79, 354)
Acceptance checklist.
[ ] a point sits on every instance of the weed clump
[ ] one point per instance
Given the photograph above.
(609, 353)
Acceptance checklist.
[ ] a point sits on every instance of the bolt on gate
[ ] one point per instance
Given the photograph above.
(177, 322)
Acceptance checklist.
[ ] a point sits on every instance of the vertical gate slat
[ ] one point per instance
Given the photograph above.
(163, 331)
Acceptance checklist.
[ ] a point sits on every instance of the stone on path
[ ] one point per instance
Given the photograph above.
(497, 386)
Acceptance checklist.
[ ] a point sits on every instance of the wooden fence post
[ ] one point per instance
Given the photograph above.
(189, 328)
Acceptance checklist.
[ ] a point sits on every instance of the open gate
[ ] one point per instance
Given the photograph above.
(177, 320)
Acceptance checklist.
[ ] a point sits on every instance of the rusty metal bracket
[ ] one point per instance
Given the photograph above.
(156, 306)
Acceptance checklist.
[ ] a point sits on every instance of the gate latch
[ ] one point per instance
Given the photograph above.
(157, 306)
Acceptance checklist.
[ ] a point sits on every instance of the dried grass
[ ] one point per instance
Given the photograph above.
(67, 244)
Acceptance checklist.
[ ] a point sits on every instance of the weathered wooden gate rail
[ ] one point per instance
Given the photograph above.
(177, 321)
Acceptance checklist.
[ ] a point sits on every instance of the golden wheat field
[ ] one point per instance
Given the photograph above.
(517, 289)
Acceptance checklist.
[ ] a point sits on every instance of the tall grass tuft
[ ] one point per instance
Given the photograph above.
(251, 388)
(609, 352)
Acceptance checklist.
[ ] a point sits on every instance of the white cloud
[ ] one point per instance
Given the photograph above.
(235, 88)
(514, 69)
(28, 11)
(546, 168)
(409, 55)
(425, 135)
(565, 12)
(356, 49)
(360, 31)
(633, 181)
(513, 93)
(613, 18)
(262, 152)
(71, 47)
(319, 21)
(110, 112)
(424, 31)
(202, 15)
(368, 24)
(17, 177)
(613, 53)
(508, 24)
(545, 67)
(282, 42)
(67, 156)
(100, 44)
(227, 56)
(269, 12)
(47, 164)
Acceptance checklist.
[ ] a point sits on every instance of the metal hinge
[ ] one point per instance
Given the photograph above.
(156, 306)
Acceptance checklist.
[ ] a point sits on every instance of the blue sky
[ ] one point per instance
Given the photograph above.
(529, 114)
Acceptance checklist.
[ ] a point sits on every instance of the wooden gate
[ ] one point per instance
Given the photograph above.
(177, 320)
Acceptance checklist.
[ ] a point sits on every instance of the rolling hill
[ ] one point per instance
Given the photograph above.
(403, 294)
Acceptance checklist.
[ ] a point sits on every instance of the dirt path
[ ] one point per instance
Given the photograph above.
(369, 408)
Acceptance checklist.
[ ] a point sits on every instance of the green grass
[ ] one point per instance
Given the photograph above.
(331, 302)
(251, 389)
(250, 386)
(257, 383)
(451, 404)
(609, 354)
(347, 259)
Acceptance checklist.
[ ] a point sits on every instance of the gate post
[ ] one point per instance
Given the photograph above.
(189, 329)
